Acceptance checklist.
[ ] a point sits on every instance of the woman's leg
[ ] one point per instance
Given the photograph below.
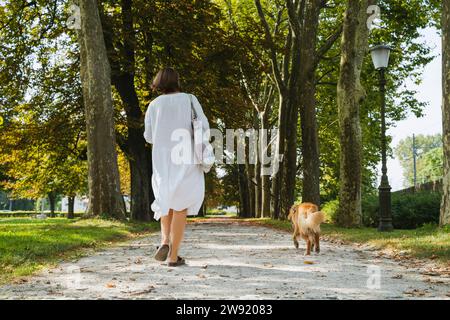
(177, 233)
(166, 223)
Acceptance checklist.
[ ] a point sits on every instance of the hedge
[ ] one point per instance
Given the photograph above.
(409, 210)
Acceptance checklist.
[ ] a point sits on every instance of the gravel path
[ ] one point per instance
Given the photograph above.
(231, 261)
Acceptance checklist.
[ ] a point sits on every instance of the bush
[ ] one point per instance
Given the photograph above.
(409, 210)
(330, 209)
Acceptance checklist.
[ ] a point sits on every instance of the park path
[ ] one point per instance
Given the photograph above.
(230, 261)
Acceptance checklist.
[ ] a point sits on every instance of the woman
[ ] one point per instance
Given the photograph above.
(179, 188)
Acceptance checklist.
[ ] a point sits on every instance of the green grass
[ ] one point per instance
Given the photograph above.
(28, 245)
(217, 212)
(428, 241)
(29, 214)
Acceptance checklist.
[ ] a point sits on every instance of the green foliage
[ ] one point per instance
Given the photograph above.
(330, 209)
(409, 210)
(42, 138)
(27, 245)
(429, 158)
(229, 184)
(213, 44)
(401, 23)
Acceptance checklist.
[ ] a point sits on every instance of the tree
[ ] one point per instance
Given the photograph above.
(294, 74)
(445, 206)
(350, 94)
(259, 90)
(305, 24)
(42, 140)
(122, 57)
(428, 150)
(104, 186)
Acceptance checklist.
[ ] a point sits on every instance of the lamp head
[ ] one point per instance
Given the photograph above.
(380, 56)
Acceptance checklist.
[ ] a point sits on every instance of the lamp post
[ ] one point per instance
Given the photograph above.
(380, 58)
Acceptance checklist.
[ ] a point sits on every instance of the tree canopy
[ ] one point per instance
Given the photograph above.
(253, 64)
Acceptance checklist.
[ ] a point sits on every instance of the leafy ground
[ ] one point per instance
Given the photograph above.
(428, 241)
(28, 245)
(231, 259)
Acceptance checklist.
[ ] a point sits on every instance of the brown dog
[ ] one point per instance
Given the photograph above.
(306, 219)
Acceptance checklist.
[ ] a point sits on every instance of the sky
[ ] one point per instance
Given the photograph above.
(430, 90)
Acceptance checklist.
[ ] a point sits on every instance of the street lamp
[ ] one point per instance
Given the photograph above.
(380, 58)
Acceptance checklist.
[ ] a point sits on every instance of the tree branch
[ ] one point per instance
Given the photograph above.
(328, 44)
(272, 48)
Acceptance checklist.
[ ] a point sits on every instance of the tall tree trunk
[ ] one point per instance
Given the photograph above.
(104, 184)
(134, 145)
(281, 82)
(138, 154)
(277, 177)
(256, 185)
(265, 178)
(250, 173)
(445, 205)
(258, 189)
(290, 160)
(307, 80)
(304, 20)
(201, 212)
(350, 95)
(243, 192)
(71, 207)
(52, 202)
(250, 168)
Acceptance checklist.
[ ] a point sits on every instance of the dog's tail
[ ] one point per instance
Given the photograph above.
(314, 220)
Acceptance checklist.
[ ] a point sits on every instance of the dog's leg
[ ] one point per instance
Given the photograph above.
(308, 248)
(294, 237)
(317, 241)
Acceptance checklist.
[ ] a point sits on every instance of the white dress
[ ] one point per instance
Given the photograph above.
(176, 186)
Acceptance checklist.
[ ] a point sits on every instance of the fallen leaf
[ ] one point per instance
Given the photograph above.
(110, 285)
(430, 280)
(416, 292)
(308, 262)
(429, 273)
(137, 293)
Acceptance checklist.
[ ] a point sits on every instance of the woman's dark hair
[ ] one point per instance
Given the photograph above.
(167, 81)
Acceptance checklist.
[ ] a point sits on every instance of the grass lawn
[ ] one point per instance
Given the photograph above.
(426, 242)
(28, 245)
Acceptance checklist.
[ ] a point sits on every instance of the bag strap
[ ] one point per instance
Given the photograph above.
(193, 112)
